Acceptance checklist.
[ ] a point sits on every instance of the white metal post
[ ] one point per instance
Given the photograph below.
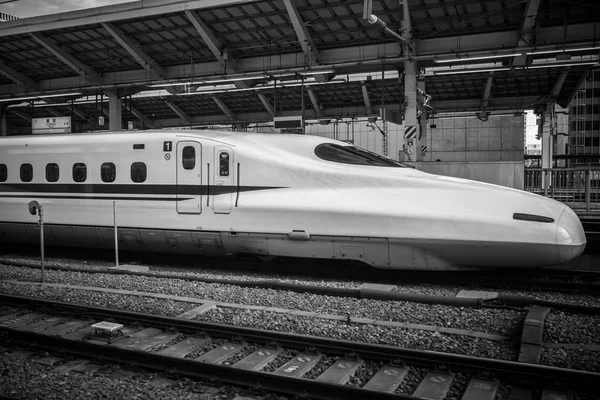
(42, 240)
(116, 235)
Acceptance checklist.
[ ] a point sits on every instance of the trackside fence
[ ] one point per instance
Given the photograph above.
(576, 187)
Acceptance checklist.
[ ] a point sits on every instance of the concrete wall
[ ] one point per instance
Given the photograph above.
(504, 173)
(500, 138)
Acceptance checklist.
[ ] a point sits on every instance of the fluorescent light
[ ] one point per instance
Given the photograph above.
(570, 64)
(562, 50)
(451, 60)
(261, 87)
(42, 96)
(232, 78)
(468, 71)
(210, 81)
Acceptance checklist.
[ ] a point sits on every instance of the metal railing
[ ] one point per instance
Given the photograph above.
(579, 188)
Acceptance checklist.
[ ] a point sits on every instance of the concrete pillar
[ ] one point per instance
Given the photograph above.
(3, 121)
(411, 124)
(547, 144)
(115, 122)
(423, 117)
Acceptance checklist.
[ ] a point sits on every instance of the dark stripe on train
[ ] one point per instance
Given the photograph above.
(139, 188)
(532, 217)
(88, 197)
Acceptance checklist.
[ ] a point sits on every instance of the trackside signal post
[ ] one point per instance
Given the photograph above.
(34, 208)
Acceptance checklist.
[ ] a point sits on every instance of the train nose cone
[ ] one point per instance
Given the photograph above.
(570, 237)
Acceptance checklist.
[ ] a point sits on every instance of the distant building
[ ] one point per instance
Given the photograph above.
(584, 122)
(7, 17)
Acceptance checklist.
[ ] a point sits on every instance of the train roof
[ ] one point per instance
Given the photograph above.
(225, 137)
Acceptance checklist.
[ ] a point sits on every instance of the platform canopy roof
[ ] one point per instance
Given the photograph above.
(210, 62)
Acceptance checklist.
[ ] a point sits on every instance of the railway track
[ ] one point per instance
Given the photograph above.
(171, 344)
(494, 282)
(550, 279)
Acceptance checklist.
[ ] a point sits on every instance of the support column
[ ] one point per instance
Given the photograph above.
(115, 122)
(546, 124)
(3, 120)
(423, 117)
(411, 124)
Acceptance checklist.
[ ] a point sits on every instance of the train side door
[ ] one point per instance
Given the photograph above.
(189, 177)
(224, 188)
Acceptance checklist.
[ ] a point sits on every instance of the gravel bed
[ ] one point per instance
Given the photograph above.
(413, 339)
(364, 373)
(561, 327)
(25, 379)
(322, 365)
(198, 272)
(496, 321)
(567, 298)
(412, 380)
(282, 358)
(572, 359)
(148, 305)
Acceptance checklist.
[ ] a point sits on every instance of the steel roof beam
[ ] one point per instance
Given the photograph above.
(527, 32)
(576, 88)
(21, 115)
(119, 12)
(366, 98)
(145, 120)
(135, 51)
(82, 69)
(180, 113)
(558, 84)
(314, 100)
(487, 93)
(308, 46)
(18, 77)
(224, 108)
(266, 103)
(209, 38)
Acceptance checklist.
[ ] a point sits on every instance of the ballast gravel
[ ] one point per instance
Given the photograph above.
(560, 327)
(494, 321)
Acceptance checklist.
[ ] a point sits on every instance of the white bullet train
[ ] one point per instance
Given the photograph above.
(224, 193)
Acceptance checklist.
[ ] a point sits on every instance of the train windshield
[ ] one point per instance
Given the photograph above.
(354, 155)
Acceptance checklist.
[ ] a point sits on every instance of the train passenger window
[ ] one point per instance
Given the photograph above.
(52, 172)
(138, 172)
(108, 172)
(189, 157)
(26, 172)
(353, 155)
(79, 172)
(223, 164)
(3, 173)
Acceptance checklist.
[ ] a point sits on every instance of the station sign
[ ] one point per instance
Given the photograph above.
(51, 125)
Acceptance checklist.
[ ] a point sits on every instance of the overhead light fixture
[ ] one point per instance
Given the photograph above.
(261, 87)
(559, 64)
(561, 50)
(452, 60)
(214, 81)
(249, 77)
(469, 71)
(42, 96)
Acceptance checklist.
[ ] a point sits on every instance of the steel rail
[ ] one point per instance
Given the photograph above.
(195, 369)
(509, 370)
